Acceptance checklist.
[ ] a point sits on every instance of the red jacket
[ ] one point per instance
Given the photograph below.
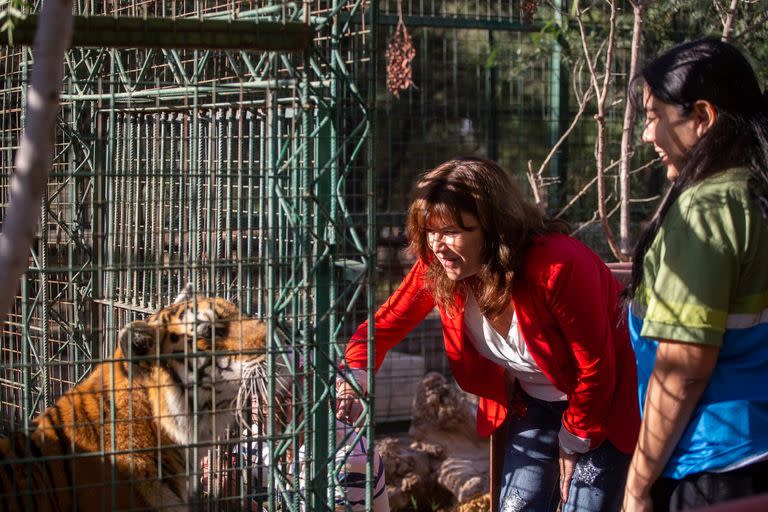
(574, 327)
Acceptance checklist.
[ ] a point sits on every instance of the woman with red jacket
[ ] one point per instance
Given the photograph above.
(531, 317)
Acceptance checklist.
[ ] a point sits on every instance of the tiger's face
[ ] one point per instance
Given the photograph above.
(193, 358)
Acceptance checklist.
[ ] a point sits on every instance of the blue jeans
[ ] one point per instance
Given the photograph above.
(531, 475)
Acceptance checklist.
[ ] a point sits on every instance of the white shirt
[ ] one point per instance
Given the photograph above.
(510, 352)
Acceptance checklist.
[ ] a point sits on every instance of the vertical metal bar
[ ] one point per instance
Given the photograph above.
(326, 285)
(135, 226)
(264, 202)
(120, 231)
(323, 434)
(196, 139)
(196, 166)
(69, 181)
(160, 218)
(111, 233)
(43, 301)
(176, 234)
(99, 199)
(491, 73)
(111, 183)
(26, 367)
(27, 413)
(217, 273)
(230, 209)
(251, 168)
(147, 176)
(371, 244)
(116, 125)
(271, 277)
(74, 211)
(210, 201)
(211, 139)
(423, 95)
(558, 101)
(129, 228)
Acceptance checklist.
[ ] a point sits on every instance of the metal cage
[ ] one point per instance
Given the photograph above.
(242, 171)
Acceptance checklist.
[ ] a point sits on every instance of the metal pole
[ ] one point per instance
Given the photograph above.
(558, 101)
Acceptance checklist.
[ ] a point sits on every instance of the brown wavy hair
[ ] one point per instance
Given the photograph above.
(507, 219)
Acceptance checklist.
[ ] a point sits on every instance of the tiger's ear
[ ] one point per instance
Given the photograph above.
(138, 339)
(188, 293)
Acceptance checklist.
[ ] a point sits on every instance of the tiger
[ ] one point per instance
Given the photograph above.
(120, 438)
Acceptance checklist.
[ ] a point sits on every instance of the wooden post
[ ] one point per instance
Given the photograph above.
(498, 442)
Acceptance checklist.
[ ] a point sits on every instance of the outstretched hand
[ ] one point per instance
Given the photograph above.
(348, 406)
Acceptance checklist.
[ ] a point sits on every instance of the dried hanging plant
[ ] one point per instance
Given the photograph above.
(400, 53)
(529, 9)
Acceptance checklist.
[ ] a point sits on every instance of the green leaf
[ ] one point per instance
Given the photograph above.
(490, 61)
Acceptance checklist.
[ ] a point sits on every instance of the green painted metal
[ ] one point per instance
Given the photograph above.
(369, 271)
(180, 33)
(558, 113)
(461, 21)
(230, 169)
(491, 77)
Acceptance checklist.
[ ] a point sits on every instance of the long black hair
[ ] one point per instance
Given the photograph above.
(711, 70)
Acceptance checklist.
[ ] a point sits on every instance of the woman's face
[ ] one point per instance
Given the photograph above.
(459, 250)
(671, 133)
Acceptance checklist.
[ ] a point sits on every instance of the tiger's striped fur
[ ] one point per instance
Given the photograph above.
(120, 438)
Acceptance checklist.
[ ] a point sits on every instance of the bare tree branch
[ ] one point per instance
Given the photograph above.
(582, 106)
(758, 23)
(728, 23)
(645, 165)
(586, 187)
(595, 218)
(35, 155)
(646, 199)
(602, 95)
(575, 198)
(534, 184)
(628, 129)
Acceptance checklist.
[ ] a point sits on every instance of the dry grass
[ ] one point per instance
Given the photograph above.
(480, 503)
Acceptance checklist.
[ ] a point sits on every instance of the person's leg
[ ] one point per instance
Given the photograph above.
(530, 475)
(598, 481)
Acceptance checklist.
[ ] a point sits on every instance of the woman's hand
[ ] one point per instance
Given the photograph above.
(348, 406)
(567, 467)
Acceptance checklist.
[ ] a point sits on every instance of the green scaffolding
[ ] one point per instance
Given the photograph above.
(215, 142)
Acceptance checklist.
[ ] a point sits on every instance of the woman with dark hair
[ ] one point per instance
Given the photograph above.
(699, 314)
(532, 323)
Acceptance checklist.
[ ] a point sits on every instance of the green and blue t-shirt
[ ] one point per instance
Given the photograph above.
(706, 282)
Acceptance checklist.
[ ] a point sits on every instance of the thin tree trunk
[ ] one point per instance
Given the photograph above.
(728, 23)
(625, 242)
(34, 157)
(602, 94)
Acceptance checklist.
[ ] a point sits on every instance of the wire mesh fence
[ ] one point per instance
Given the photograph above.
(277, 180)
(503, 80)
(240, 171)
